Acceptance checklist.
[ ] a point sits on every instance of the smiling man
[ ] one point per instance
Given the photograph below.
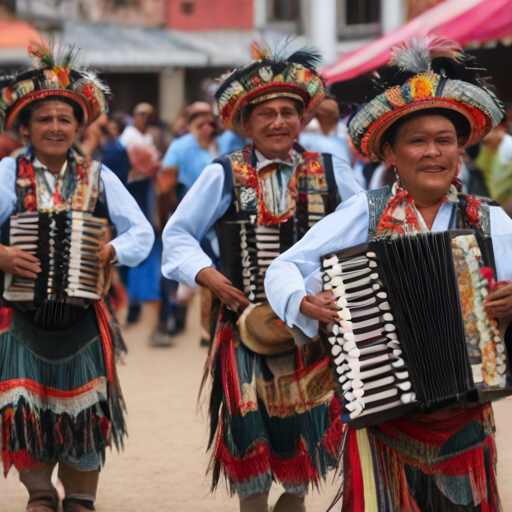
(268, 420)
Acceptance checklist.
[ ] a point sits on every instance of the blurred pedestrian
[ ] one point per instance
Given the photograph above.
(143, 280)
(183, 163)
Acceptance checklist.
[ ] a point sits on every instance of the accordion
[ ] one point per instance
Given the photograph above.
(413, 333)
(67, 245)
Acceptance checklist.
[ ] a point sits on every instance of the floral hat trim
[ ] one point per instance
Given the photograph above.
(54, 77)
(425, 90)
(270, 77)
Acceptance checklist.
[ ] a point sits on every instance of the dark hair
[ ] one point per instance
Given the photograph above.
(247, 110)
(461, 124)
(25, 116)
(120, 119)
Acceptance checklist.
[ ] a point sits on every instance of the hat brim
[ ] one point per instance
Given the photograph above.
(39, 95)
(371, 143)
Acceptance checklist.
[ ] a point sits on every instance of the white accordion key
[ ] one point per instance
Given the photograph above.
(355, 352)
(384, 306)
(333, 260)
(342, 379)
(349, 345)
(335, 350)
(332, 340)
(398, 363)
(349, 336)
(342, 302)
(385, 381)
(404, 386)
(389, 328)
(402, 375)
(394, 345)
(347, 385)
(397, 352)
(356, 384)
(339, 359)
(371, 255)
(387, 317)
(392, 335)
(408, 398)
(383, 395)
(344, 314)
(364, 312)
(371, 349)
(337, 281)
(382, 295)
(334, 271)
(368, 374)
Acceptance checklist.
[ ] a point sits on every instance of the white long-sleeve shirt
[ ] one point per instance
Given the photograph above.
(203, 205)
(135, 236)
(296, 273)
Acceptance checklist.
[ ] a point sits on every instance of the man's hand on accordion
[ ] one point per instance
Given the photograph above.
(321, 307)
(498, 302)
(14, 260)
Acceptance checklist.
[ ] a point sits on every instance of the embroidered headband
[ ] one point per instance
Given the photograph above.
(432, 73)
(55, 76)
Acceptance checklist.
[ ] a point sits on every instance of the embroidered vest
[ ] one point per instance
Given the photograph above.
(250, 237)
(471, 213)
(77, 191)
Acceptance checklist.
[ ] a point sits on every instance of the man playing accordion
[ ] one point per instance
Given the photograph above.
(60, 399)
(431, 105)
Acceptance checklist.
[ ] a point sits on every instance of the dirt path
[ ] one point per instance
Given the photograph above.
(162, 468)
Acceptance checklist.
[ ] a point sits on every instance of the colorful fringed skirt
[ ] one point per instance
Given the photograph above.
(59, 396)
(273, 418)
(423, 463)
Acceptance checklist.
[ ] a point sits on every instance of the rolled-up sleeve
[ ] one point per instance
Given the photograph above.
(205, 202)
(135, 236)
(296, 273)
(7, 188)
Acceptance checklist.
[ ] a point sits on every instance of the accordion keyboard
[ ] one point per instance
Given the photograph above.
(364, 345)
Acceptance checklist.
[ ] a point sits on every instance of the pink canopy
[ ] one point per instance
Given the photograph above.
(463, 21)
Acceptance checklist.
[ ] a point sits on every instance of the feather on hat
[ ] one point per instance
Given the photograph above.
(431, 73)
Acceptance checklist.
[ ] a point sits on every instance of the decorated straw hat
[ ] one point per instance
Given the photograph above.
(427, 74)
(269, 77)
(55, 76)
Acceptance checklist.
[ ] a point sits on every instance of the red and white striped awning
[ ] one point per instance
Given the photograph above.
(469, 22)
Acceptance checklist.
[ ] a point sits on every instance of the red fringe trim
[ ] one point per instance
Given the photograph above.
(5, 318)
(260, 460)
(334, 436)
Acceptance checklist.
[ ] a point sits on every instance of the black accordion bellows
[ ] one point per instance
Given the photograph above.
(413, 332)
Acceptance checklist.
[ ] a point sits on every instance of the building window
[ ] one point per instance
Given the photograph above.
(358, 18)
(362, 12)
(283, 10)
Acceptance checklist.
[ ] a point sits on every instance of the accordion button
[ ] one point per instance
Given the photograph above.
(344, 314)
(402, 375)
(393, 345)
(347, 385)
(349, 345)
(357, 383)
(348, 336)
(333, 260)
(384, 306)
(404, 386)
(388, 317)
(358, 393)
(371, 255)
(342, 302)
(348, 395)
(408, 398)
(389, 327)
(332, 340)
(339, 359)
(336, 350)
(354, 352)
(397, 352)
(382, 295)
(342, 379)
(374, 276)
(398, 363)
(392, 335)
(373, 264)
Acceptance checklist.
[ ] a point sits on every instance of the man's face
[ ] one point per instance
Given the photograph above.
(203, 125)
(51, 129)
(273, 126)
(141, 119)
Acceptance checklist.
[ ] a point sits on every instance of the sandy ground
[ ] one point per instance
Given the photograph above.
(162, 468)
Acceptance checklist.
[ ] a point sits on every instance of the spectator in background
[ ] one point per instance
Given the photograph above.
(183, 163)
(8, 145)
(144, 280)
(327, 133)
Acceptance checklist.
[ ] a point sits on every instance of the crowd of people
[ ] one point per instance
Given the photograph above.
(238, 202)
